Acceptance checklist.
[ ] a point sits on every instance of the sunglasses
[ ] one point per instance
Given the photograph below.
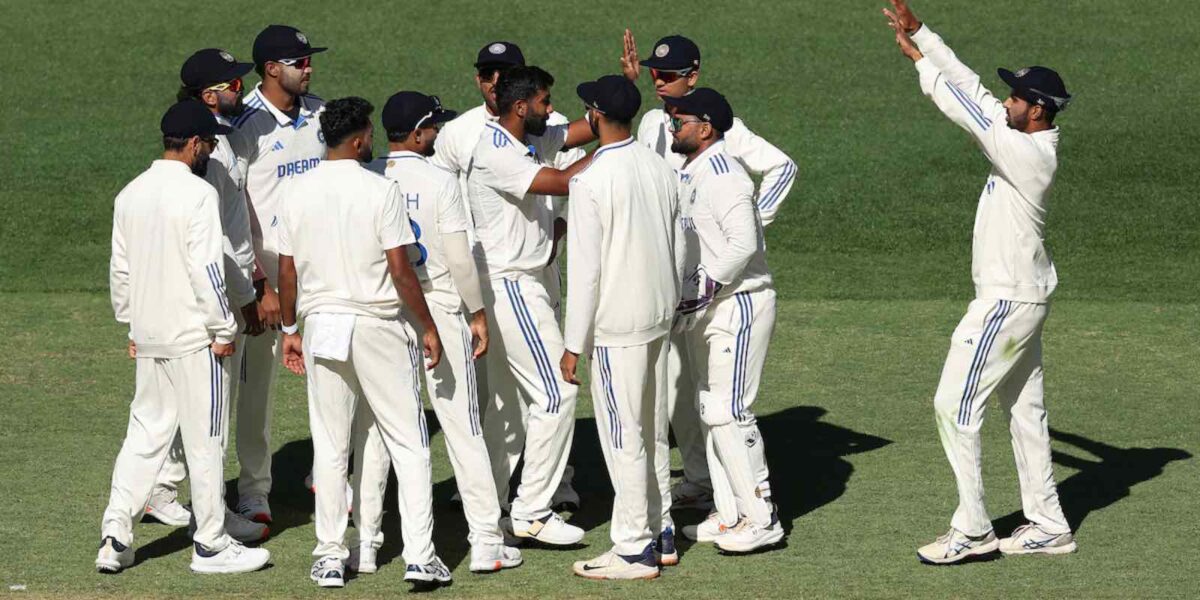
(669, 76)
(488, 73)
(299, 63)
(678, 123)
(234, 86)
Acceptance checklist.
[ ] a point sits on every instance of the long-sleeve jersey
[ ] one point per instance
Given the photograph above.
(723, 230)
(756, 155)
(227, 173)
(622, 274)
(166, 274)
(1009, 260)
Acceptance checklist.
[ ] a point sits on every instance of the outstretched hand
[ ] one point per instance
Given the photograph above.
(904, 15)
(629, 58)
(896, 22)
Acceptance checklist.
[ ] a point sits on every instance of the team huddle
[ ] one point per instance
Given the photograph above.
(437, 266)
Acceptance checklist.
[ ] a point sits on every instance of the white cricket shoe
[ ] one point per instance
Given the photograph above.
(113, 556)
(255, 508)
(362, 559)
(328, 572)
(708, 530)
(550, 529)
(1032, 539)
(166, 509)
(611, 565)
(235, 558)
(489, 558)
(665, 553)
(691, 496)
(749, 536)
(954, 546)
(434, 572)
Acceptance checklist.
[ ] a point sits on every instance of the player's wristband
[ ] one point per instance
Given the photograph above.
(292, 329)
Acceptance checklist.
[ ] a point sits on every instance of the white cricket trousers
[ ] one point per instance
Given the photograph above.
(526, 345)
(383, 368)
(998, 347)
(190, 395)
(684, 413)
(256, 388)
(629, 398)
(455, 399)
(728, 348)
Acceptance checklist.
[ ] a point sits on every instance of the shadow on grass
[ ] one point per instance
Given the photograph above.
(1098, 483)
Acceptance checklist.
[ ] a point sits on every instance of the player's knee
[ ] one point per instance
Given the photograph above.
(714, 414)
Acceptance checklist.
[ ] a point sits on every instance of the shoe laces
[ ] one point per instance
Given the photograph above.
(1020, 531)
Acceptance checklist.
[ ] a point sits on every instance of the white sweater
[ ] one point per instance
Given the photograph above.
(166, 274)
(1009, 260)
(622, 272)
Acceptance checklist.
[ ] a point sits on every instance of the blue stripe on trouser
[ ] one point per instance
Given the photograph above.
(741, 354)
(213, 391)
(414, 357)
(975, 374)
(472, 391)
(534, 340)
(610, 399)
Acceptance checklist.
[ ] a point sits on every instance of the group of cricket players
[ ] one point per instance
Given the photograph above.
(437, 266)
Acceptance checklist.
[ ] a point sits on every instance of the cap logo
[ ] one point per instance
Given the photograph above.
(300, 36)
(497, 48)
(1022, 72)
(227, 57)
(662, 50)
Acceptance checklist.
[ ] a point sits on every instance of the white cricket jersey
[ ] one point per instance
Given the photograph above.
(336, 225)
(166, 274)
(227, 173)
(512, 227)
(622, 278)
(277, 149)
(435, 207)
(1009, 259)
(724, 233)
(756, 155)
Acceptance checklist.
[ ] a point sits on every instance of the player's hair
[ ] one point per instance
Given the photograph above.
(174, 144)
(398, 136)
(520, 83)
(186, 93)
(343, 118)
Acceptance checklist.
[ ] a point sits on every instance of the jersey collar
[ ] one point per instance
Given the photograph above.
(487, 115)
(280, 117)
(404, 154)
(516, 143)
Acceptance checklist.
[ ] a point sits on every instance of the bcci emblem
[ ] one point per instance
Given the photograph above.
(497, 48)
(300, 36)
(227, 57)
(661, 50)
(320, 136)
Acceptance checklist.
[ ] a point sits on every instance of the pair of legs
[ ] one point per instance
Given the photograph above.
(383, 370)
(522, 366)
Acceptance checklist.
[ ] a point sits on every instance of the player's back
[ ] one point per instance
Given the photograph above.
(332, 227)
(154, 216)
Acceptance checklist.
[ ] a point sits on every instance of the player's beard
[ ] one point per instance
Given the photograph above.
(684, 146)
(1017, 122)
(294, 83)
(366, 153)
(230, 108)
(200, 164)
(536, 124)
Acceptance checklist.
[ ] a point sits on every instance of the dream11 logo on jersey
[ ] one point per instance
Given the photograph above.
(295, 167)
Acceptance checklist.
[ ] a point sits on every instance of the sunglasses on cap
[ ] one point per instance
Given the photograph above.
(677, 123)
(438, 102)
(234, 86)
(669, 76)
(299, 63)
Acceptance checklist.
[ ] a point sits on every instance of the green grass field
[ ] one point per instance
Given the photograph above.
(871, 256)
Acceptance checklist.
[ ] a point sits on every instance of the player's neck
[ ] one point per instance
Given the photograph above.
(612, 135)
(280, 98)
(514, 124)
(704, 146)
(402, 147)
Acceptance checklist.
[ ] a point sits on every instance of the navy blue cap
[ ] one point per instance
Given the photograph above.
(279, 42)
(612, 95)
(189, 118)
(674, 53)
(1040, 85)
(499, 54)
(707, 104)
(211, 66)
(406, 111)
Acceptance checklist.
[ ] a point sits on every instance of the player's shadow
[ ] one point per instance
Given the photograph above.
(1098, 484)
(806, 456)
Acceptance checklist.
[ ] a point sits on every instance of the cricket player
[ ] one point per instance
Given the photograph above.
(998, 344)
(344, 242)
(455, 146)
(213, 77)
(674, 66)
(443, 263)
(282, 137)
(168, 285)
(728, 313)
(508, 184)
(623, 218)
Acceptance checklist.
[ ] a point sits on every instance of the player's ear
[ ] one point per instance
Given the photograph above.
(693, 77)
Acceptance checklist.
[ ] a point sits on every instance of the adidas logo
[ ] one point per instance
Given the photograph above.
(278, 145)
